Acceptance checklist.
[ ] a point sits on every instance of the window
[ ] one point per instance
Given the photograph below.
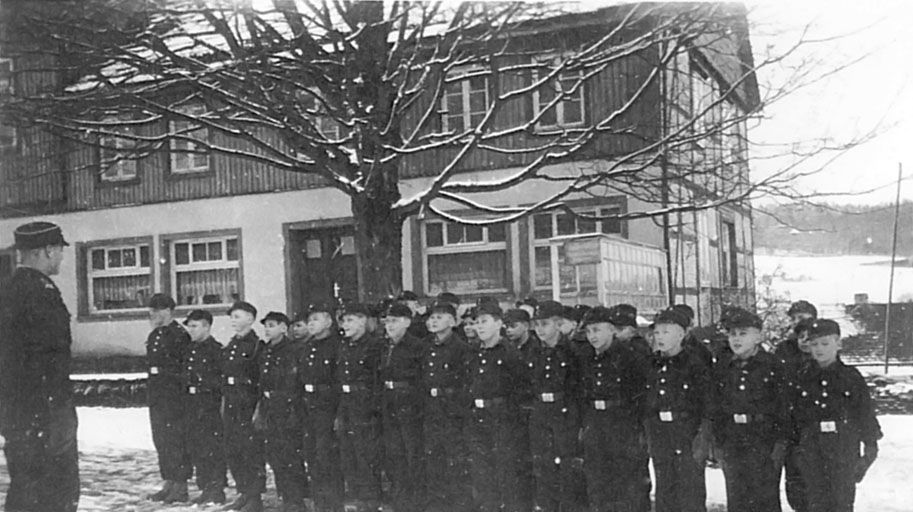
(569, 110)
(327, 126)
(186, 156)
(116, 154)
(465, 101)
(465, 259)
(548, 225)
(205, 271)
(7, 130)
(119, 277)
(730, 266)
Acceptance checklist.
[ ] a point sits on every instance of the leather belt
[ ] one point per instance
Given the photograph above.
(744, 419)
(485, 403)
(313, 388)
(670, 416)
(549, 398)
(605, 405)
(352, 388)
(436, 392)
(397, 384)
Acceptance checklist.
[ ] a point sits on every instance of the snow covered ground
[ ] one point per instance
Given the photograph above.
(118, 467)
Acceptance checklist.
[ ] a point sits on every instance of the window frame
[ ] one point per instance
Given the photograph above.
(460, 76)
(170, 267)
(13, 133)
(485, 245)
(577, 75)
(729, 253)
(120, 146)
(174, 154)
(85, 273)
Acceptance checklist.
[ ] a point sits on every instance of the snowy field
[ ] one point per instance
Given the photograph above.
(118, 467)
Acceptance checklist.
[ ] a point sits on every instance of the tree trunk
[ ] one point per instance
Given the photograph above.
(378, 244)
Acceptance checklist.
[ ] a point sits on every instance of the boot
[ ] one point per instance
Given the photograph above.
(178, 493)
(238, 504)
(211, 495)
(163, 493)
(254, 504)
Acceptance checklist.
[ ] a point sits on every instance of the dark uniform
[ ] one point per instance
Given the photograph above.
(281, 408)
(166, 349)
(750, 417)
(358, 418)
(444, 371)
(37, 416)
(527, 480)
(401, 414)
(496, 387)
(554, 424)
(793, 358)
(676, 404)
(613, 434)
(317, 376)
(833, 413)
(203, 400)
(243, 444)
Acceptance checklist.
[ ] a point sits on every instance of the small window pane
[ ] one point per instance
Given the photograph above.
(543, 266)
(114, 259)
(567, 224)
(312, 249)
(610, 225)
(573, 113)
(542, 226)
(434, 233)
(347, 245)
(474, 233)
(144, 256)
(586, 225)
(199, 252)
(181, 254)
(497, 233)
(129, 257)
(98, 259)
(215, 251)
(231, 249)
(454, 234)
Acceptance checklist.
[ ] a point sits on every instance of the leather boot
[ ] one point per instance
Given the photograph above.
(254, 503)
(178, 493)
(211, 495)
(238, 504)
(163, 493)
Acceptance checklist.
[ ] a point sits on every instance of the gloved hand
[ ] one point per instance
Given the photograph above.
(700, 446)
(778, 455)
(869, 454)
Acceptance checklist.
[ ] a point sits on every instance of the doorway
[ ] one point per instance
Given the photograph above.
(322, 266)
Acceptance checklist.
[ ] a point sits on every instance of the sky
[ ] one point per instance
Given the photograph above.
(871, 98)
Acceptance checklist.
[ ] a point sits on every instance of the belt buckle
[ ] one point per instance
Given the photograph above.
(740, 419)
(154, 370)
(309, 388)
(231, 381)
(192, 390)
(266, 394)
(479, 403)
(346, 388)
(828, 427)
(434, 392)
(389, 384)
(548, 397)
(600, 405)
(665, 416)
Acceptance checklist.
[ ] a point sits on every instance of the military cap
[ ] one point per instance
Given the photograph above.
(398, 309)
(528, 301)
(276, 316)
(549, 309)
(599, 315)
(198, 314)
(739, 317)
(407, 295)
(575, 313)
(470, 313)
(803, 325)
(161, 301)
(442, 306)
(243, 306)
(727, 312)
(672, 316)
(36, 235)
(356, 308)
(449, 298)
(319, 307)
(685, 310)
(623, 315)
(823, 327)
(489, 308)
(516, 315)
(802, 306)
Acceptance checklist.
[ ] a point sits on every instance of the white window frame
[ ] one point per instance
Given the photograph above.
(7, 132)
(222, 264)
(577, 76)
(181, 149)
(544, 242)
(122, 271)
(115, 154)
(484, 245)
(330, 128)
(460, 76)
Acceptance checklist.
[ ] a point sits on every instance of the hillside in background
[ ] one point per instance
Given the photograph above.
(833, 229)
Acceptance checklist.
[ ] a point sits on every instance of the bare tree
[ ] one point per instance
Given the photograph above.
(363, 94)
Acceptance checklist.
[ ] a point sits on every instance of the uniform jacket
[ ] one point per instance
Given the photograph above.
(400, 371)
(34, 349)
(497, 373)
(679, 384)
(445, 366)
(240, 366)
(749, 399)
(202, 373)
(317, 372)
(357, 366)
(166, 349)
(554, 376)
(280, 392)
(614, 381)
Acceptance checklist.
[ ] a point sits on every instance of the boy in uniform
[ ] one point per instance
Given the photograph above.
(202, 379)
(554, 413)
(496, 385)
(279, 410)
(165, 351)
(750, 417)
(833, 414)
(240, 393)
(401, 409)
(677, 417)
(358, 414)
(317, 375)
(518, 333)
(444, 370)
(613, 382)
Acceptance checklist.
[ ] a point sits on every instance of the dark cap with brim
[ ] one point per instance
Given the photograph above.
(449, 297)
(441, 306)
(243, 306)
(742, 318)
(623, 315)
(489, 308)
(549, 309)
(197, 315)
(598, 315)
(513, 316)
(356, 308)
(36, 235)
(672, 316)
(823, 327)
(276, 316)
(802, 306)
(407, 295)
(161, 301)
(399, 310)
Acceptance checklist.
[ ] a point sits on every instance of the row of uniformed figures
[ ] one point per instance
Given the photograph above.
(521, 416)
